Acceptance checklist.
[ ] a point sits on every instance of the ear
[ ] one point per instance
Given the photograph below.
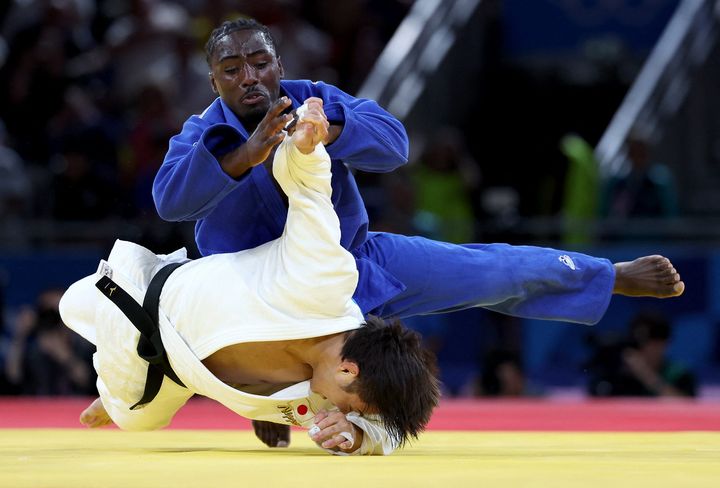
(346, 373)
(349, 368)
(212, 82)
(280, 68)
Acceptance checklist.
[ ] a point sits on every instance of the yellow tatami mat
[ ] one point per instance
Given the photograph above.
(75, 458)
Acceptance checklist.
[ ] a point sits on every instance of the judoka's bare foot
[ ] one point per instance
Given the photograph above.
(95, 415)
(648, 276)
(273, 435)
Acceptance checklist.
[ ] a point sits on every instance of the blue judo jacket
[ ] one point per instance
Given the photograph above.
(241, 214)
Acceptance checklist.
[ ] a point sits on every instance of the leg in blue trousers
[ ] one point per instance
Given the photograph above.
(524, 281)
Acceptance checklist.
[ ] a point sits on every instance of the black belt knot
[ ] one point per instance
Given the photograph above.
(145, 319)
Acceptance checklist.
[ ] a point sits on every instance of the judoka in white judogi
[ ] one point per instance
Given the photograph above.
(298, 286)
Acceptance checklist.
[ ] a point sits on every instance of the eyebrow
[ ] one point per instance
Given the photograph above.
(259, 51)
(237, 56)
(228, 56)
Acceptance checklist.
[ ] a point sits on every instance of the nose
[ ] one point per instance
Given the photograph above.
(251, 76)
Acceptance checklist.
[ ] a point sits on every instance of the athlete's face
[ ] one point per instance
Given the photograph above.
(345, 402)
(246, 73)
(335, 385)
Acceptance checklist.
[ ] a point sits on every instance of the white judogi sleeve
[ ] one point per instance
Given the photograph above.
(317, 277)
(376, 440)
(306, 180)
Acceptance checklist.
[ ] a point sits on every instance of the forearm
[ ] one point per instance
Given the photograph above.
(334, 132)
(313, 260)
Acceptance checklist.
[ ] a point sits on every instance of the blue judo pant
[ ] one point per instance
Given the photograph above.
(523, 281)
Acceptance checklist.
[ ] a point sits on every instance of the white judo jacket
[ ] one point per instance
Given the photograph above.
(297, 286)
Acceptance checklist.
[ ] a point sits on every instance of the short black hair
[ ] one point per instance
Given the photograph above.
(398, 376)
(230, 26)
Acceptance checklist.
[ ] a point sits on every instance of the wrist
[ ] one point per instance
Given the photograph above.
(305, 149)
(235, 163)
(334, 132)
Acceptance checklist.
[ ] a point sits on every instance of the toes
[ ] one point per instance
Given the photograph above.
(672, 277)
(87, 419)
(679, 287)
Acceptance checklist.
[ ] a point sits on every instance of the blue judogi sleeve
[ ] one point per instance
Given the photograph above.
(371, 140)
(190, 182)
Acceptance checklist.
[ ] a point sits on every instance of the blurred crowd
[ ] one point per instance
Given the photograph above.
(90, 93)
(40, 356)
(43, 357)
(92, 90)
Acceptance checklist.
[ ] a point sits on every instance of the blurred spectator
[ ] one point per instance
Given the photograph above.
(208, 15)
(143, 44)
(389, 200)
(43, 40)
(638, 365)
(582, 185)
(153, 124)
(432, 327)
(79, 191)
(445, 180)
(502, 375)
(304, 49)
(647, 189)
(15, 188)
(189, 87)
(359, 30)
(45, 357)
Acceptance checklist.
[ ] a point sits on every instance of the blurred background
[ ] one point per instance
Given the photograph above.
(584, 125)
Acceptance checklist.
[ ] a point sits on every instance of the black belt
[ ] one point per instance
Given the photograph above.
(145, 319)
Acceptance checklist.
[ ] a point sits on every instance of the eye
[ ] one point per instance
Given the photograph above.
(261, 65)
(231, 70)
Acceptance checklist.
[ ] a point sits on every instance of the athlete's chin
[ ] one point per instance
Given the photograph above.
(256, 110)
